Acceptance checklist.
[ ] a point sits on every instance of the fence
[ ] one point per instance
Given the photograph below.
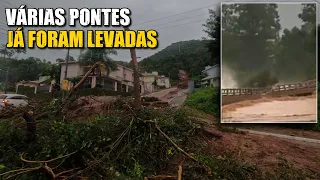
(300, 85)
(283, 87)
(243, 91)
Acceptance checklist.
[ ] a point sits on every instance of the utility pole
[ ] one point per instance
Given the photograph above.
(136, 81)
(66, 71)
(6, 83)
(67, 62)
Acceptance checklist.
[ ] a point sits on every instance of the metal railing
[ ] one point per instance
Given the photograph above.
(299, 85)
(277, 88)
(241, 91)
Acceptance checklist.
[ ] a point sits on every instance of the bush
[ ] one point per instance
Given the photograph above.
(129, 147)
(207, 100)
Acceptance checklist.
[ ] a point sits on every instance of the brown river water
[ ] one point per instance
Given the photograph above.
(273, 110)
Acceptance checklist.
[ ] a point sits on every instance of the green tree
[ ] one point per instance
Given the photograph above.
(192, 57)
(213, 30)
(94, 55)
(70, 58)
(53, 71)
(294, 63)
(246, 32)
(10, 52)
(6, 53)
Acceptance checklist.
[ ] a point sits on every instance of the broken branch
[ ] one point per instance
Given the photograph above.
(51, 160)
(174, 144)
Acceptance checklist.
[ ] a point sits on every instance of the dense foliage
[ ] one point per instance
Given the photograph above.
(253, 42)
(123, 145)
(29, 69)
(191, 56)
(119, 146)
(206, 100)
(93, 55)
(212, 28)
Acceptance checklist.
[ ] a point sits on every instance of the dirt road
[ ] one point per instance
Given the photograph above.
(286, 109)
(265, 150)
(161, 93)
(174, 96)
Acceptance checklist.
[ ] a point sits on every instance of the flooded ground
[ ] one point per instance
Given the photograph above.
(285, 109)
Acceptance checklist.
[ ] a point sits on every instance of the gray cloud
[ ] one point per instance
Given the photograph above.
(181, 27)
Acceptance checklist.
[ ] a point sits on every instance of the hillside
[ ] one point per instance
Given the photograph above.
(193, 57)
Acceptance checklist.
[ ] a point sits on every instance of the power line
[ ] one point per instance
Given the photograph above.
(8, 3)
(178, 14)
(179, 20)
(181, 24)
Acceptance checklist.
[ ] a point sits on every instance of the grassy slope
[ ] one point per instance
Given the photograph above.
(206, 100)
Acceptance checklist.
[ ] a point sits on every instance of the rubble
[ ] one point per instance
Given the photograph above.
(88, 106)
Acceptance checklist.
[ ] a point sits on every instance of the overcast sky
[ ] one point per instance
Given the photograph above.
(146, 14)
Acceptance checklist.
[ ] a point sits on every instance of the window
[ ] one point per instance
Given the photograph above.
(15, 97)
(19, 97)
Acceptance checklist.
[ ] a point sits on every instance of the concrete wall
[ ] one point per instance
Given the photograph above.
(163, 81)
(294, 92)
(148, 88)
(215, 71)
(74, 70)
(149, 79)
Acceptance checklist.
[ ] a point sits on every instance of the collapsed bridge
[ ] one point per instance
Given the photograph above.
(233, 95)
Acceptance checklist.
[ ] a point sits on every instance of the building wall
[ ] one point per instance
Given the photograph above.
(74, 70)
(215, 71)
(148, 87)
(122, 73)
(149, 79)
(163, 81)
(118, 74)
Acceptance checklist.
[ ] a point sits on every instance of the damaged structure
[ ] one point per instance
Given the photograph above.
(118, 80)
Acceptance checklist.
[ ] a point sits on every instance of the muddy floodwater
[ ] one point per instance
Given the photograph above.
(302, 109)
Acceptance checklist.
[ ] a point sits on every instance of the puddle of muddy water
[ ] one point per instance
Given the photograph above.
(299, 110)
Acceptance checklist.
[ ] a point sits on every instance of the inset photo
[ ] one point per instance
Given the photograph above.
(269, 62)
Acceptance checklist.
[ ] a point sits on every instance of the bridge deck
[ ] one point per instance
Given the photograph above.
(239, 94)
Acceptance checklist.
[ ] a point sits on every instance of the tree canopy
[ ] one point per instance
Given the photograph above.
(192, 57)
(253, 43)
(91, 56)
(29, 69)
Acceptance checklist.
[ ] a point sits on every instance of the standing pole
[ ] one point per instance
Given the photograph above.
(136, 81)
(6, 83)
(66, 71)
(67, 62)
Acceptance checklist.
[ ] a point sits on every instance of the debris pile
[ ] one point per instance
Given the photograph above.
(154, 102)
(88, 106)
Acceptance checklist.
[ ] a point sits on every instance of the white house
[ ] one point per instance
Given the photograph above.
(118, 80)
(212, 76)
(160, 80)
(163, 81)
